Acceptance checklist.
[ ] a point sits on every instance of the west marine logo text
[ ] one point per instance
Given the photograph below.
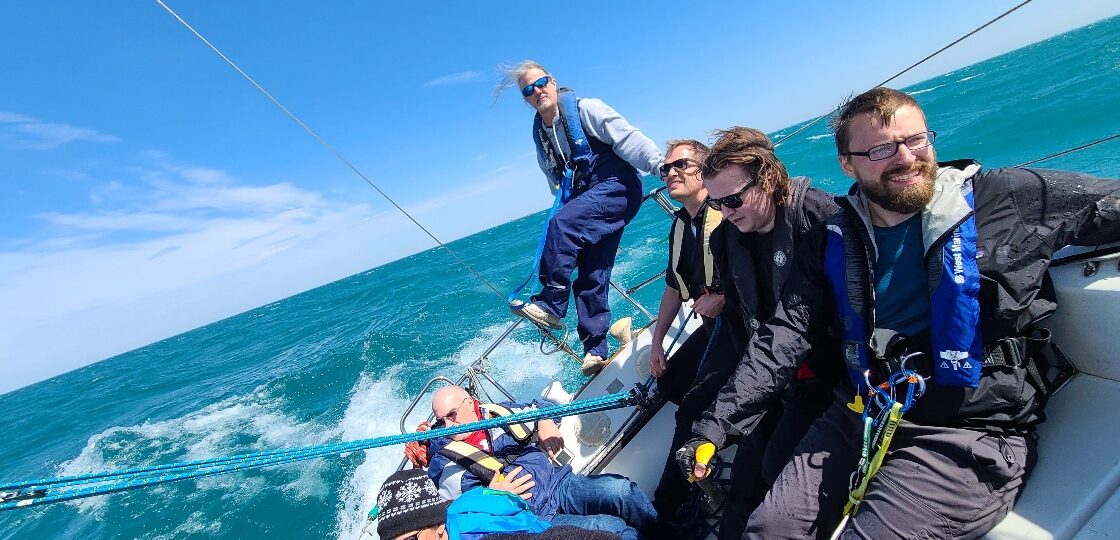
(955, 247)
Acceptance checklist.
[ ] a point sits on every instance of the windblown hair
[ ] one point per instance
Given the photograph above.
(511, 74)
(882, 102)
(698, 148)
(753, 150)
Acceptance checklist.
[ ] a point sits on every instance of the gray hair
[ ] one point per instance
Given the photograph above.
(511, 74)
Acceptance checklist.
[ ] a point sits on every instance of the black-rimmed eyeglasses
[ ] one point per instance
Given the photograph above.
(883, 151)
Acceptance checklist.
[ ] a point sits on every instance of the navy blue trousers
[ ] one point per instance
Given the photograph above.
(584, 235)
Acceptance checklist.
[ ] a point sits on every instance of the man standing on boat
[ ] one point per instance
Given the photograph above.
(508, 459)
(766, 214)
(591, 155)
(945, 260)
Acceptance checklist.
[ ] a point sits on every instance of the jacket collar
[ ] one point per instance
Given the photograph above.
(947, 207)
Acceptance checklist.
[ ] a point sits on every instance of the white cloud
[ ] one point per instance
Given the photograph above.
(68, 174)
(29, 133)
(462, 77)
(152, 239)
(203, 175)
(123, 221)
(13, 118)
(171, 248)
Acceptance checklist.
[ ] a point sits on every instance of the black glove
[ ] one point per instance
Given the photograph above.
(686, 456)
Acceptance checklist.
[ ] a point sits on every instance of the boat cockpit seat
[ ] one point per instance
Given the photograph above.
(1074, 486)
(1072, 492)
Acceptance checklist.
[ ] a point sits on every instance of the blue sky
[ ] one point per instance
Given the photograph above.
(145, 189)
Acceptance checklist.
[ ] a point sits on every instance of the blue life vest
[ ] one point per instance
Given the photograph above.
(957, 343)
(482, 511)
(565, 174)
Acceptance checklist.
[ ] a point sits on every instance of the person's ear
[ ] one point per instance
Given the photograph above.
(846, 165)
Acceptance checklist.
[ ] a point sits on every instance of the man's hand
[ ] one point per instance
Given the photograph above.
(657, 361)
(518, 485)
(709, 305)
(693, 458)
(548, 433)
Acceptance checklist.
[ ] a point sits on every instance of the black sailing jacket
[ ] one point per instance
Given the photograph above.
(807, 208)
(1023, 216)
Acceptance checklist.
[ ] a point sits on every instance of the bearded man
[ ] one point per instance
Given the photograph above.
(935, 271)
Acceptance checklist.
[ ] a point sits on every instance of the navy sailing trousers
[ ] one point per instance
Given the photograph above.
(584, 235)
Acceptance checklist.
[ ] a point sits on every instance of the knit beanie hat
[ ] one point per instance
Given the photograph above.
(408, 502)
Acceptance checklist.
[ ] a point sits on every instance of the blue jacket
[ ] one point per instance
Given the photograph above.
(608, 149)
(453, 480)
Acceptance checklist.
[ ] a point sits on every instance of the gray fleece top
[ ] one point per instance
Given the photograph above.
(605, 124)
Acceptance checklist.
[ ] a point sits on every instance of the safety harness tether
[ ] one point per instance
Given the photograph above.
(881, 417)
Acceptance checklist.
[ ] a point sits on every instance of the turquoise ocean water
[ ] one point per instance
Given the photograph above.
(340, 362)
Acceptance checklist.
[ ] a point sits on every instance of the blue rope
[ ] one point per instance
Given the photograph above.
(711, 341)
(562, 194)
(59, 489)
(549, 412)
(680, 330)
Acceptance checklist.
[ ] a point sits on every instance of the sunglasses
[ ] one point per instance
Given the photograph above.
(452, 415)
(681, 165)
(539, 83)
(735, 200)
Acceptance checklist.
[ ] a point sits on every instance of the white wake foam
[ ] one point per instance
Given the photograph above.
(924, 90)
(238, 424)
(374, 410)
(376, 406)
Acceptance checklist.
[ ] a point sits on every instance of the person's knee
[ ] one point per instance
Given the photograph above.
(769, 518)
(597, 522)
(616, 485)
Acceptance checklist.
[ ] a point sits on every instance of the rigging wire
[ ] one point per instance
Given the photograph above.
(560, 342)
(332, 150)
(914, 65)
(1070, 150)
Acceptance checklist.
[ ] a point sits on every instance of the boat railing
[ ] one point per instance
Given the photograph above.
(478, 371)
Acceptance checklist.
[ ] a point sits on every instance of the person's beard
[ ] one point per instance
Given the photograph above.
(909, 199)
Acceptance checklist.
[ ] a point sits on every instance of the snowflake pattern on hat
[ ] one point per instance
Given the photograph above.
(385, 498)
(409, 491)
(408, 501)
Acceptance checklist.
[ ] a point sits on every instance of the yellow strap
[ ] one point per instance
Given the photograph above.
(478, 462)
(857, 494)
(520, 432)
(675, 245)
(712, 219)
